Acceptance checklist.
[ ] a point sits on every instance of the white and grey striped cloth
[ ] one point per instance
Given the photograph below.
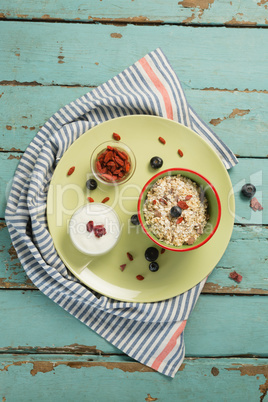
(151, 333)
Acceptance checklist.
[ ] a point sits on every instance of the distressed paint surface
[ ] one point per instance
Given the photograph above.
(63, 378)
(39, 46)
(24, 118)
(253, 13)
(247, 170)
(251, 242)
(231, 325)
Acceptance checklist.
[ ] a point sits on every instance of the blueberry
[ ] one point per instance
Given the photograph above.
(248, 190)
(175, 212)
(135, 220)
(151, 254)
(91, 184)
(154, 266)
(156, 162)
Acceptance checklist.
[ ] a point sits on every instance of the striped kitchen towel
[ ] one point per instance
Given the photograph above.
(151, 333)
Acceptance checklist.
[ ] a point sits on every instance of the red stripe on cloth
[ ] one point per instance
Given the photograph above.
(158, 84)
(171, 344)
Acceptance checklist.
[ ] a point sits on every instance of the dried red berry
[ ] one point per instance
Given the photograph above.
(154, 202)
(162, 250)
(70, 171)
(235, 276)
(180, 152)
(163, 201)
(99, 230)
(130, 256)
(255, 205)
(188, 197)
(179, 220)
(161, 139)
(140, 277)
(116, 137)
(182, 205)
(105, 199)
(122, 267)
(90, 199)
(90, 226)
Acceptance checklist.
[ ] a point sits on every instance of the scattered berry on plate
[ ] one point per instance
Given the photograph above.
(175, 212)
(154, 266)
(105, 199)
(71, 170)
(162, 140)
(122, 267)
(140, 277)
(248, 190)
(180, 152)
(91, 184)
(151, 254)
(116, 137)
(130, 256)
(156, 162)
(90, 199)
(162, 250)
(135, 220)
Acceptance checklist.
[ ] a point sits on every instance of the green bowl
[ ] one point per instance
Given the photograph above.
(214, 208)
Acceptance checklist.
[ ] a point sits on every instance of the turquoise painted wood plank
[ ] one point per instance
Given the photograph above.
(249, 242)
(219, 325)
(91, 54)
(247, 171)
(67, 378)
(171, 11)
(236, 117)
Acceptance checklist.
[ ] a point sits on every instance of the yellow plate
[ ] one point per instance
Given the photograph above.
(178, 272)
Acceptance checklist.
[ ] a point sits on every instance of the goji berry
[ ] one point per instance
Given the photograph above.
(162, 250)
(140, 277)
(105, 199)
(179, 220)
(163, 201)
(90, 199)
(161, 139)
(130, 256)
(116, 137)
(122, 267)
(180, 152)
(182, 205)
(188, 197)
(70, 171)
(154, 202)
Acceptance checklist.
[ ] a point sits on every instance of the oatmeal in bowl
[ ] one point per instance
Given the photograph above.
(179, 209)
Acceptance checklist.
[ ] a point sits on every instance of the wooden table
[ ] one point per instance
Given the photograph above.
(53, 52)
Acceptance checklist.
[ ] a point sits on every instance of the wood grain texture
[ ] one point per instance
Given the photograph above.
(230, 13)
(89, 55)
(249, 242)
(247, 171)
(231, 325)
(237, 117)
(64, 378)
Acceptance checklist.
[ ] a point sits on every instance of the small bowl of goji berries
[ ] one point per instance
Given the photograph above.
(179, 209)
(113, 162)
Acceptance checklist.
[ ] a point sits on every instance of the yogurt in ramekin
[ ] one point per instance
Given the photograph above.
(86, 238)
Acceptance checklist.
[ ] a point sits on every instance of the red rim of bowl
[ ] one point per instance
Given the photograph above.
(217, 198)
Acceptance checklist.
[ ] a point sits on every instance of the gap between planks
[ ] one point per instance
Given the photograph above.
(136, 21)
(15, 83)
